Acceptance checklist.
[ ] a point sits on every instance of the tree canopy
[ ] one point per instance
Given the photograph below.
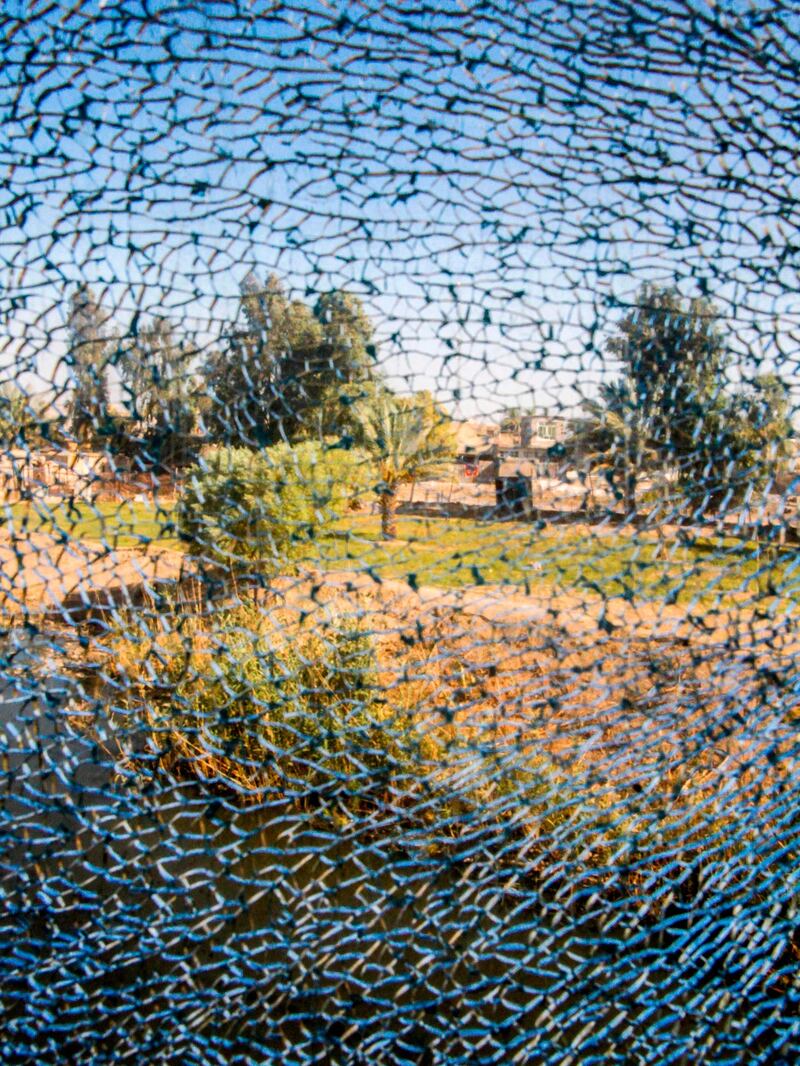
(674, 407)
(288, 371)
(22, 421)
(158, 386)
(89, 355)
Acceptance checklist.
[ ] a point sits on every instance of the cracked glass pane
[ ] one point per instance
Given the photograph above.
(399, 555)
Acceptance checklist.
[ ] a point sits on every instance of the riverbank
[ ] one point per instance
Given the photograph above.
(602, 742)
(46, 577)
(668, 565)
(654, 834)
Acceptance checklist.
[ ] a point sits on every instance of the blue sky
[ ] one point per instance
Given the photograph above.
(495, 184)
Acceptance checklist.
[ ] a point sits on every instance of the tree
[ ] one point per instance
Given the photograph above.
(618, 438)
(672, 406)
(156, 376)
(747, 443)
(21, 418)
(409, 439)
(89, 354)
(675, 359)
(22, 427)
(290, 372)
(240, 374)
(345, 374)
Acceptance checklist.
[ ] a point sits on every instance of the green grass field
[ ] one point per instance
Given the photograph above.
(119, 525)
(456, 552)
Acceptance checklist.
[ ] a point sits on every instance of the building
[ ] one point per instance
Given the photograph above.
(484, 447)
(50, 472)
(540, 432)
(476, 441)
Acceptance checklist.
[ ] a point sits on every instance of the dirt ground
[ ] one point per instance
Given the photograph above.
(43, 575)
(616, 695)
(598, 682)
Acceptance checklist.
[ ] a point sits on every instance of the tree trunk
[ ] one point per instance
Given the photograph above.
(632, 467)
(388, 502)
(630, 494)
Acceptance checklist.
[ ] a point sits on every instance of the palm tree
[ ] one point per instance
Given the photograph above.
(409, 439)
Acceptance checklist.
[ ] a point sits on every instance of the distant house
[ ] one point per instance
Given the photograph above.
(42, 472)
(540, 432)
(475, 441)
(484, 447)
(476, 447)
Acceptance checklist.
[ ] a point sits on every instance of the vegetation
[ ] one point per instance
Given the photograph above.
(409, 440)
(265, 709)
(90, 353)
(291, 371)
(288, 371)
(672, 410)
(455, 553)
(129, 524)
(457, 734)
(241, 507)
(284, 372)
(238, 703)
(22, 419)
(156, 372)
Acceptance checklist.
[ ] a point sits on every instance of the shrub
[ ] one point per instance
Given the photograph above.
(243, 507)
(237, 701)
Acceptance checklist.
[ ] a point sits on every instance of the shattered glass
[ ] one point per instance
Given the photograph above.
(398, 568)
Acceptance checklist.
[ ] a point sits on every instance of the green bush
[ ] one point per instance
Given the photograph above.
(241, 507)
